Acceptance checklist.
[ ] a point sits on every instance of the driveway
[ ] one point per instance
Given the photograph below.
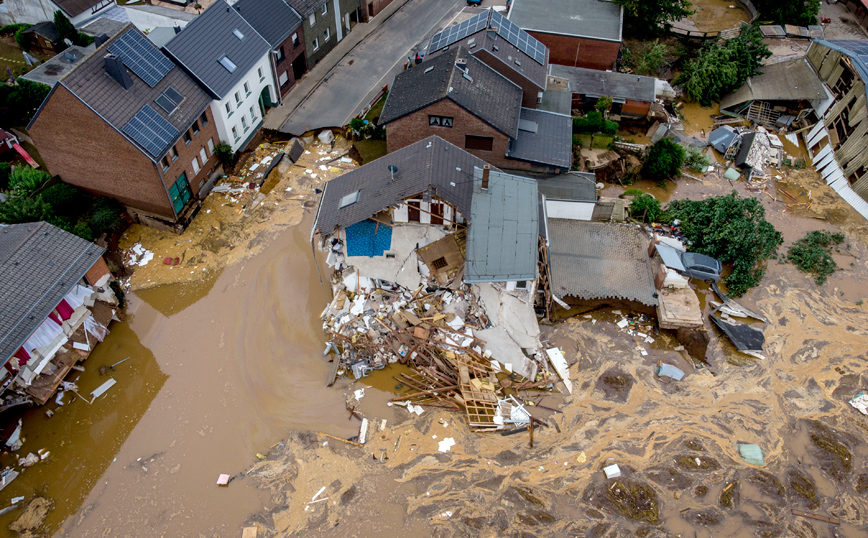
(362, 69)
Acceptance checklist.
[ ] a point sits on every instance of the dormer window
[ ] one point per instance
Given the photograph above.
(227, 63)
(238, 33)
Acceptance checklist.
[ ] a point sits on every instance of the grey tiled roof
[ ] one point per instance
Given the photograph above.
(608, 83)
(39, 264)
(431, 163)
(487, 94)
(209, 37)
(551, 144)
(597, 260)
(99, 91)
(273, 19)
(503, 238)
(306, 7)
(560, 102)
(504, 51)
(574, 186)
(45, 29)
(57, 67)
(579, 18)
(75, 7)
(784, 81)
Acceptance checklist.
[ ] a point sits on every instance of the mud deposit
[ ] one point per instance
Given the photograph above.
(676, 443)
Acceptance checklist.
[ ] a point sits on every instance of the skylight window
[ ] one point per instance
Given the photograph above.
(227, 63)
(169, 100)
(349, 199)
(238, 33)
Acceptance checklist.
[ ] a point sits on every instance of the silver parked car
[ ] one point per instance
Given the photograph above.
(701, 266)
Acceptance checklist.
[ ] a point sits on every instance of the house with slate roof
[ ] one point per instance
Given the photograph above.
(579, 33)
(43, 38)
(632, 95)
(325, 24)
(126, 123)
(55, 306)
(280, 25)
(459, 98)
(231, 61)
(34, 11)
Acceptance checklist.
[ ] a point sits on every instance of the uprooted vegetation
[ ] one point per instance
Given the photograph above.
(833, 455)
(691, 462)
(634, 500)
(812, 254)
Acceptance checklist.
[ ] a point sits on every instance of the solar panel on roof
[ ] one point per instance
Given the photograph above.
(518, 37)
(459, 31)
(141, 57)
(151, 131)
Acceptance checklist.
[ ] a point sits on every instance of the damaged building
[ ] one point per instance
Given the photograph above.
(436, 258)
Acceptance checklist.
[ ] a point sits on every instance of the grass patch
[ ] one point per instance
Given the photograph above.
(813, 254)
(635, 501)
(370, 150)
(374, 114)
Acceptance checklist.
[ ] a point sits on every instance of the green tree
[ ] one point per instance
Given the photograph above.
(646, 208)
(66, 30)
(813, 254)
(67, 201)
(24, 180)
(19, 102)
(648, 59)
(5, 170)
(603, 104)
(224, 153)
(664, 160)
(798, 12)
(18, 209)
(653, 16)
(697, 159)
(733, 230)
(19, 36)
(723, 66)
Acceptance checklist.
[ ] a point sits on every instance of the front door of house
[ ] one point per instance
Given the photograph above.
(180, 193)
(413, 213)
(436, 213)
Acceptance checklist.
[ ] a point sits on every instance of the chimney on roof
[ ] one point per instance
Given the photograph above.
(486, 170)
(99, 40)
(115, 67)
(492, 32)
(461, 63)
(177, 29)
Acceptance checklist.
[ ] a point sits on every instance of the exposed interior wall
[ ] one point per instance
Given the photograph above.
(579, 51)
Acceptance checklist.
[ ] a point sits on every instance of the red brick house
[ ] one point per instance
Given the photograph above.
(459, 98)
(502, 46)
(580, 33)
(128, 124)
(281, 26)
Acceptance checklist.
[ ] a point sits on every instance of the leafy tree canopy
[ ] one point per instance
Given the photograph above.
(664, 160)
(653, 16)
(648, 59)
(723, 66)
(798, 12)
(734, 230)
(646, 208)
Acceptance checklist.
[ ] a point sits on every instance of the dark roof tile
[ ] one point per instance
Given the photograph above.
(275, 20)
(547, 140)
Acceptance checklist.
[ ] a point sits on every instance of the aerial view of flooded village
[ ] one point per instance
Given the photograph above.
(434, 268)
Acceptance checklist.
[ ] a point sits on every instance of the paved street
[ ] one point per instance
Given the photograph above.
(349, 76)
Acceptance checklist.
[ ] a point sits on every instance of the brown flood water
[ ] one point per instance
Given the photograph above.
(220, 371)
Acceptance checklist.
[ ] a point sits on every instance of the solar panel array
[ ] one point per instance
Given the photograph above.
(459, 31)
(151, 131)
(518, 37)
(139, 55)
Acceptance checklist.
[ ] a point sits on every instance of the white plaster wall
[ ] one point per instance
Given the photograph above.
(34, 11)
(146, 21)
(557, 209)
(225, 121)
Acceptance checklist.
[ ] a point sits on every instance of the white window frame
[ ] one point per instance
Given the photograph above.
(283, 78)
(228, 109)
(238, 97)
(210, 146)
(327, 34)
(261, 76)
(244, 122)
(295, 42)
(196, 167)
(312, 19)
(315, 44)
(247, 88)
(203, 156)
(325, 9)
(235, 132)
(252, 114)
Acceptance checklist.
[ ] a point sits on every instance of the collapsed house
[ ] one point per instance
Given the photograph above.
(632, 95)
(436, 266)
(56, 307)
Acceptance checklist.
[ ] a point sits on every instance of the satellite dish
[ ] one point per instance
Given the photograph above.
(67, 41)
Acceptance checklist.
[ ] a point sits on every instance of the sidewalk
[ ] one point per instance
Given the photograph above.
(277, 117)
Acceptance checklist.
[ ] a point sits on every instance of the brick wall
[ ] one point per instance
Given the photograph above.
(184, 163)
(579, 52)
(414, 127)
(370, 8)
(637, 108)
(290, 53)
(96, 271)
(86, 152)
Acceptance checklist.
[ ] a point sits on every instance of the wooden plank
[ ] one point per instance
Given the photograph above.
(818, 517)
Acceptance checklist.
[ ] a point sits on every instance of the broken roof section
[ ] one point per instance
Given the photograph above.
(791, 80)
(211, 36)
(576, 18)
(431, 165)
(39, 264)
(606, 83)
(503, 239)
(595, 260)
(543, 137)
(477, 88)
(722, 138)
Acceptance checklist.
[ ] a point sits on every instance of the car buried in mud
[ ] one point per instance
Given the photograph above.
(691, 264)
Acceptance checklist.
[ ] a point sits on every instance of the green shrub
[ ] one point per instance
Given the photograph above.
(224, 153)
(592, 122)
(603, 104)
(19, 36)
(696, 159)
(610, 127)
(5, 170)
(66, 201)
(733, 230)
(24, 180)
(646, 208)
(633, 192)
(813, 254)
(20, 209)
(10, 29)
(106, 215)
(577, 141)
(664, 160)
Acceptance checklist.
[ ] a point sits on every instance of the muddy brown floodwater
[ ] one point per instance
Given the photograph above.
(220, 371)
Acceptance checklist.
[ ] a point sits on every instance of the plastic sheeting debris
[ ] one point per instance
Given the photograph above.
(859, 402)
(446, 444)
(752, 454)
(668, 370)
(612, 471)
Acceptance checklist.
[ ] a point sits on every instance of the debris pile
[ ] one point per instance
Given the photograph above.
(459, 358)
